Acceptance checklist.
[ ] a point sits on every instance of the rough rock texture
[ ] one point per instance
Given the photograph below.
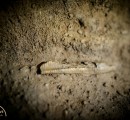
(71, 31)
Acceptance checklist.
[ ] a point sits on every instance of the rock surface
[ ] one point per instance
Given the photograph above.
(68, 31)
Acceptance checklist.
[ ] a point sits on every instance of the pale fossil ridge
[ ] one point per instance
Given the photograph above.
(86, 68)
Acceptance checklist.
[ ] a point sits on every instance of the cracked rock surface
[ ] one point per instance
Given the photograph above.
(68, 31)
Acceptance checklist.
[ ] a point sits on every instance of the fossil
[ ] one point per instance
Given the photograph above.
(87, 68)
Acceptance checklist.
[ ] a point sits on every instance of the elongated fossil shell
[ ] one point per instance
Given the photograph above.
(60, 68)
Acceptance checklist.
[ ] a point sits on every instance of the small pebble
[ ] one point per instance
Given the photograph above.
(47, 85)
(71, 15)
(80, 32)
(85, 102)
(83, 40)
(25, 69)
(26, 78)
(70, 27)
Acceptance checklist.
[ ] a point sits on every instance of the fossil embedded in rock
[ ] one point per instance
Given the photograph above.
(59, 68)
